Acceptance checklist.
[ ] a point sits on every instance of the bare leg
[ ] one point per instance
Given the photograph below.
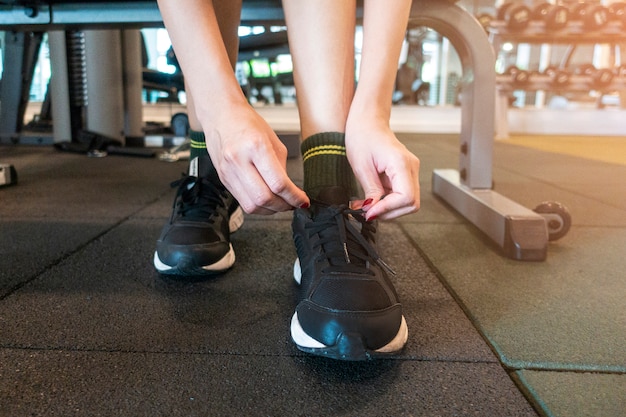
(321, 39)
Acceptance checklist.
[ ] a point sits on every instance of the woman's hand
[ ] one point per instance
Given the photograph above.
(384, 167)
(251, 162)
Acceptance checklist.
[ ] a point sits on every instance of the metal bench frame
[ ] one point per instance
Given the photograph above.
(520, 232)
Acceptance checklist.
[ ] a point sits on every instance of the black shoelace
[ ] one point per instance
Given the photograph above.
(347, 247)
(197, 198)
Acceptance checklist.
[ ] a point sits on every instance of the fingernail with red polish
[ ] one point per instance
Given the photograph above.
(305, 205)
(371, 219)
(368, 202)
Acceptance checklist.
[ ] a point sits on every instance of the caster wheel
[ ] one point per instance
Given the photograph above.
(180, 124)
(558, 219)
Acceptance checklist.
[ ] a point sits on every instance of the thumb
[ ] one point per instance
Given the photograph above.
(372, 186)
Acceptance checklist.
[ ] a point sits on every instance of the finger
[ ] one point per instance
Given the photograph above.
(387, 214)
(371, 184)
(257, 197)
(275, 176)
(361, 204)
(404, 199)
(261, 190)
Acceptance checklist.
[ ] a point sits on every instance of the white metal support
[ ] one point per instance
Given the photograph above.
(520, 232)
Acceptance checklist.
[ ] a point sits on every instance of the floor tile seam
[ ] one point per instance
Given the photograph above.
(531, 395)
(77, 249)
(513, 365)
(518, 365)
(534, 400)
(55, 262)
(509, 364)
(61, 349)
(457, 299)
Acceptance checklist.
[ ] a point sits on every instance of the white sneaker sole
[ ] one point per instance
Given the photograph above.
(303, 340)
(222, 265)
(235, 222)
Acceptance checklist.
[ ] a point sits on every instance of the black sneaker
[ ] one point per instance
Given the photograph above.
(349, 308)
(196, 239)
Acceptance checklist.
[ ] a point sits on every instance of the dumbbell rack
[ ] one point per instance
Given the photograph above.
(505, 83)
(520, 232)
(612, 32)
(574, 33)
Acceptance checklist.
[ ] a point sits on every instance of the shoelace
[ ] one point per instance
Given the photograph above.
(346, 248)
(196, 198)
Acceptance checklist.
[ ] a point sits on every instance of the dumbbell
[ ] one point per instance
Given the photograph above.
(516, 15)
(555, 17)
(558, 77)
(620, 71)
(593, 16)
(518, 76)
(617, 12)
(600, 78)
(485, 20)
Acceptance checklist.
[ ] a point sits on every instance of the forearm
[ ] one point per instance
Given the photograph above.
(384, 29)
(199, 47)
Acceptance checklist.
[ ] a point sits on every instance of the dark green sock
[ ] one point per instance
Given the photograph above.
(326, 164)
(198, 145)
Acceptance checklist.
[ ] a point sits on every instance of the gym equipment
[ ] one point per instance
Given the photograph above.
(558, 77)
(593, 16)
(617, 12)
(516, 15)
(518, 76)
(620, 71)
(21, 51)
(177, 153)
(180, 124)
(520, 232)
(600, 78)
(558, 219)
(8, 175)
(555, 17)
(485, 20)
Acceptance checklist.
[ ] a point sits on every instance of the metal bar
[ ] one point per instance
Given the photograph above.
(520, 232)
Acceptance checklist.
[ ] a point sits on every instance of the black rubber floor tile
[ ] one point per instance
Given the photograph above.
(61, 185)
(108, 297)
(70, 383)
(29, 246)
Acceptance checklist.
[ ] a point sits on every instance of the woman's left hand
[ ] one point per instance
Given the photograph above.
(385, 168)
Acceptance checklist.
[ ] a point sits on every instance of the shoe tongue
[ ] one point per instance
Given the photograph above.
(202, 167)
(335, 195)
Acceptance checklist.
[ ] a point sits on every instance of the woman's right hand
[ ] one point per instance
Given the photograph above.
(252, 163)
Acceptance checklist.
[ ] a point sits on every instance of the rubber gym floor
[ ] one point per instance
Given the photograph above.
(88, 328)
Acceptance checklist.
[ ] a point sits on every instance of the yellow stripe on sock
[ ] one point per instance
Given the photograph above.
(198, 145)
(324, 150)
